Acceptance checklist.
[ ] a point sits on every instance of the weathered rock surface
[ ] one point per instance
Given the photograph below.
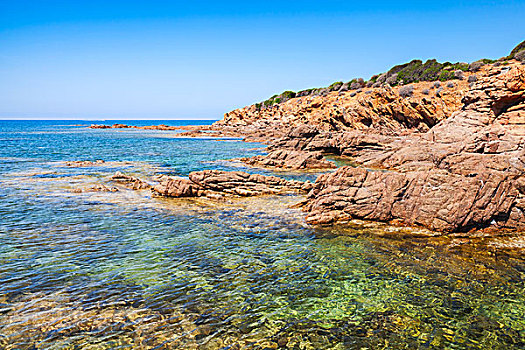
(288, 152)
(432, 198)
(103, 188)
(466, 172)
(216, 184)
(96, 188)
(314, 123)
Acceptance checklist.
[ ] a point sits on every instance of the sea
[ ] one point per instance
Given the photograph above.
(81, 269)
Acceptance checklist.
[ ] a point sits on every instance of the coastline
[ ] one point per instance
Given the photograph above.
(200, 272)
(470, 111)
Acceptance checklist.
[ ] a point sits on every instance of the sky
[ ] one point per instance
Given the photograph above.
(152, 59)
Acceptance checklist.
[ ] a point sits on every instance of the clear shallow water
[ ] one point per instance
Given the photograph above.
(124, 270)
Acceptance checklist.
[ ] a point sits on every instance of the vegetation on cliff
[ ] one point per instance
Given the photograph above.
(412, 72)
(416, 71)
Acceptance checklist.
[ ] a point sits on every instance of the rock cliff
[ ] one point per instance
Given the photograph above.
(467, 172)
(386, 109)
(448, 156)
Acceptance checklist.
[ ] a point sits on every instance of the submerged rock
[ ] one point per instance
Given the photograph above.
(129, 181)
(96, 188)
(102, 188)
(84, 163)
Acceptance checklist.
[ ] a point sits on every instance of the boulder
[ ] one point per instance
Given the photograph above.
(217, 184)
(432, 198)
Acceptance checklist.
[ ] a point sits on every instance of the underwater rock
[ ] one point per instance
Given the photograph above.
(96, 188)
(102, 188)
(84, 163)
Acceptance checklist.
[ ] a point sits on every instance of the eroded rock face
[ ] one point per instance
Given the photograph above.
(433, 198)
(466, 172)
(216, 184)
(288, 152)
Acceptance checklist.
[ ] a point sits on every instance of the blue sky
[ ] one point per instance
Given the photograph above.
(200, 59)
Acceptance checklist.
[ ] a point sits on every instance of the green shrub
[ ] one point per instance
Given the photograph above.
(431, 70)
(446, 75)
(288, 95)
(488, 60)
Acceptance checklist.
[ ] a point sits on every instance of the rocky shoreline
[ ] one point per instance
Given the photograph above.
(464, 173)
(448, 156)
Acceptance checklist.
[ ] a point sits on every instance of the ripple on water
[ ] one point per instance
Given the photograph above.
(124, 270)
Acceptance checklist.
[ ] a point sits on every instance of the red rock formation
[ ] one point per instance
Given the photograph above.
(381, 109)
(152, 127)
(466, 172)
(129, 181)
(215, 184)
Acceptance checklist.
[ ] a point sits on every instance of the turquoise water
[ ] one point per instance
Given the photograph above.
(124, 270)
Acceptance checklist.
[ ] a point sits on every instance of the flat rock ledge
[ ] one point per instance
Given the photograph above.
(290, 159)
(218, 184)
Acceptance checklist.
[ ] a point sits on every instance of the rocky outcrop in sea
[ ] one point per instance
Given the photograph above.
(219, 184)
